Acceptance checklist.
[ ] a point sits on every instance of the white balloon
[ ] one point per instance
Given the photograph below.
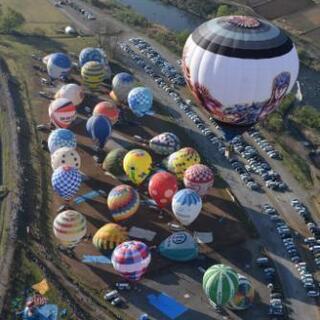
(65, 156)
(72, 92)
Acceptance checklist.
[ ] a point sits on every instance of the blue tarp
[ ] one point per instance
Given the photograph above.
(88, 196)
(167, 305)
(46, 312)
(96, 259)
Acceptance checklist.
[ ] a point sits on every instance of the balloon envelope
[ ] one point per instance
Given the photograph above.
(107, 109)
(239, 68)
(122, 84)
(93, 73)
(186, 206)
(66, 181)
(92, 54)
(180, 246)
(113, 162)
(72, 92)
(60, 138)
(220, 283)
(109, 236)
(59, 65)
(62, 112)
(165, 143)
(199, 178)
(162, 187)
(123, 202)
(99, 129)
(140, 101)
(137, 165)
(70, 227)
(65, 156)
(131, 259)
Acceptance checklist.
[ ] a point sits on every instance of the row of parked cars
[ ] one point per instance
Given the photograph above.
(167, 69)
(75, 6)
(257, 164)
(276, 304)
(264, 144)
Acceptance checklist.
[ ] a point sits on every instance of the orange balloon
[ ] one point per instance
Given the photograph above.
(107, 109)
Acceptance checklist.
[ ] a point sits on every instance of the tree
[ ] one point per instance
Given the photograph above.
(11, 20)
(223, 10)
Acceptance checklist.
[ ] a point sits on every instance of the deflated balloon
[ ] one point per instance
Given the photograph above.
(162, 187)
(93, 73)
(65, 156)
(186, 206)
(66, 181)
(59, 65)
(137, 165)
(165, 143)
(220, 283)
(99, 129)
(60, 138)
(140, 101)
(72, 92)
(62, 112)
(107, 109)
(70, 227)
(122, 84)
(113, 162)
(109, 236)
(123, 202)
(131, 259)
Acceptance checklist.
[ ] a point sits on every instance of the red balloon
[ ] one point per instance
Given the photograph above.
(162, 187)
(107, 109)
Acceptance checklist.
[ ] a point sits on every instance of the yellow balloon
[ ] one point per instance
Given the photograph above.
(137, 165)
(179, 161)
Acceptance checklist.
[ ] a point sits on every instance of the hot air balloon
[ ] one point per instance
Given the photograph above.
(140, 101)
(123, 202)
(109, 236)
(65, 156)
(162, 187)
(131, 259)
(113, 162)
(99, 129)
(70, 227)
(72, 92)
(220, 283)
(179, 161)
(66, 181)
(60, 138)
(165, 143)
(93, 73)
(114, 98)
(137, 165)
(92, 54)
(239, 68)
(180, 246)
(186, 206)
(62, 112)
(199, 178)
(70, 30)
(45, 59)
(59, 65)
(107, 109)
(122, 84)
(243, 299)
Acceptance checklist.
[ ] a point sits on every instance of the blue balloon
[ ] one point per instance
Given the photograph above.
(60, 138)
(66, 181)
(140, 101)
(59, 65)
(99, 129)
(92, 54)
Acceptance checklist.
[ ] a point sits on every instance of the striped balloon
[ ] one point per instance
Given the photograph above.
(66, 181)
(165, 143)
(93, 73)
(62, 112)
(113, 162)
(109, 236)
(198, 178)
(60, 138)
(123, 202)
(220, 283)
(70, 227)
(131, 259)
(244, 297)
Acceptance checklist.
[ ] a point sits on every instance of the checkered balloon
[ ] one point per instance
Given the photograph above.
(60, 138)
(140, 101)
(66, 181)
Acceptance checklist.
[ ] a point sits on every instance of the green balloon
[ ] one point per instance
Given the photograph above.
(113, 162)
(220, 283)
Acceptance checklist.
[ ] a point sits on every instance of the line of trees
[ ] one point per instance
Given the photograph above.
(10, 20)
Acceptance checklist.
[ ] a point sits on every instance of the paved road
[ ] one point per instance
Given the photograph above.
(301, 307)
